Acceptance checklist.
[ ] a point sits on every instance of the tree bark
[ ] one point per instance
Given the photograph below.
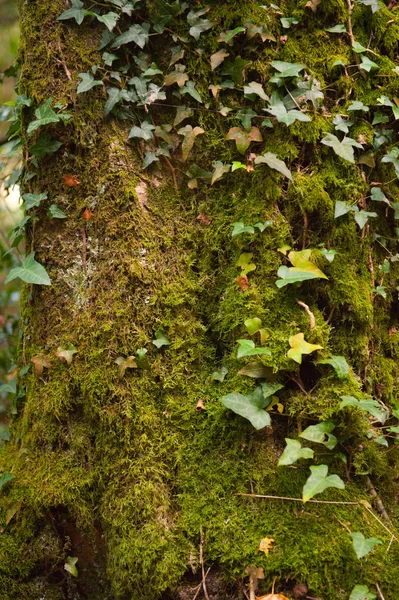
(139, 477)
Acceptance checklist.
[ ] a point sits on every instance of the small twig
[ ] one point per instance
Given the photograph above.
(300, 385)
(351, 36)
(63, 63)
(84, 249)
(343, 524)
(199, 586)
(378, 501)
(389, 545)
(172, 170)
(379, 591)
(295, 499)
(309, 313)
(330, 316)
(379, 521)
(202, 564)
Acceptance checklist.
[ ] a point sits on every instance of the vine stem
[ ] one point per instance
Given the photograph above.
(379, 591)
(351, 36)
(296, 499)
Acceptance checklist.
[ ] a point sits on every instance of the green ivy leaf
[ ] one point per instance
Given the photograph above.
(253, 325)
(342, 208)
(239, 228)
(144, 131)
(44, 146)
(244, 138)
(358, 48)
(367, 64)
(287, 22)
(139, 34)
(189, 89)
(302, 270)
(235, 69)
(247, 348)
(369, 405)
(300, 347)
(33, 200)
(70, 565)
(44, 116)
(198, 25)
(227, 36)
(361, 592)
(56, 213)
(220, 374)
(343, 149)
(109, 20)
(160, 340)
(5, 478)
(77, 12)
(30, 271)
(279, 111)
(339, 28)
(321, 434)
(254, 88)
(362, 217)
(318, 481)
(273, 162)
(378, 195)
(255, 369)
(342, 124)
(373, 3)
(249, 407)
(263, 226)
(286, 69)
(357, 105)
(293, 452)
(339, 364)
(328, 254)
(87, 83)
(220, 170)
(361, 545)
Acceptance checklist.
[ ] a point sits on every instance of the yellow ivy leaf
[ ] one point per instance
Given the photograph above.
(299, 347)
(265, 545)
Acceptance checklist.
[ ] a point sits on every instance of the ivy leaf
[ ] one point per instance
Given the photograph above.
(343, 149)
(339, 28)
(5, 478)
(339, 364)
(149, 158)
(66, 354)
(160, 340)
(247, 348)
(44, 116)
(361, 592)
(44, 145)
(255, 88)
(328, 254)
(220, 170)
(87, 83)
(109, 20)
(279, 111)
(249, 407)
(177, 76)
(33, 200)
(136, 33)
(286, 69)
(256, 370)
(182, 113)
(40, 363)
(125, 363)
(263, 226)
(239, 228)
(300, 347)
(361, 545)
(235, 69)
(77, 12)
(286, 22)
(244, 262)
(220, 375)
(342, 208)
(70, 565)
(253, 325)
(357, 105)
(244, 138)
(56, 213)
(293, 452)
(342, 124)
(115, 95)
(362, 217)
(373, 3)
(198, 25)
(144, 131)
(321, 434)
(319, 481)
(367, 64)
(273, 162)
(227, 36)
(189, 137)
(358, 48)
(369, 405)
(30, 272)
(378, 195)
(189, 88)
(302, 270)
(218, 57)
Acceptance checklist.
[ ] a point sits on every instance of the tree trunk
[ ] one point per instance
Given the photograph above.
(138, 474)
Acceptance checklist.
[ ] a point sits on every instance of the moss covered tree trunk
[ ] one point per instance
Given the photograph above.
(138, 472)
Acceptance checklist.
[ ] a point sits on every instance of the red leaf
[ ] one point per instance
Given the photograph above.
(71, 180)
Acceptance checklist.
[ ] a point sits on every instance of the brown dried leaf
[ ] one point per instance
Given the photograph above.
(242, 281)
(215, 89)
(204, 219)
(256, 370)
(243, 138)
(272, 597)
(189, 136)
(200, 405)
(313, 4)
(125, 363)
(66, 355)
(177, 76)
(87, 215)
(71, 180)
(218, 58)
(39, 363)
